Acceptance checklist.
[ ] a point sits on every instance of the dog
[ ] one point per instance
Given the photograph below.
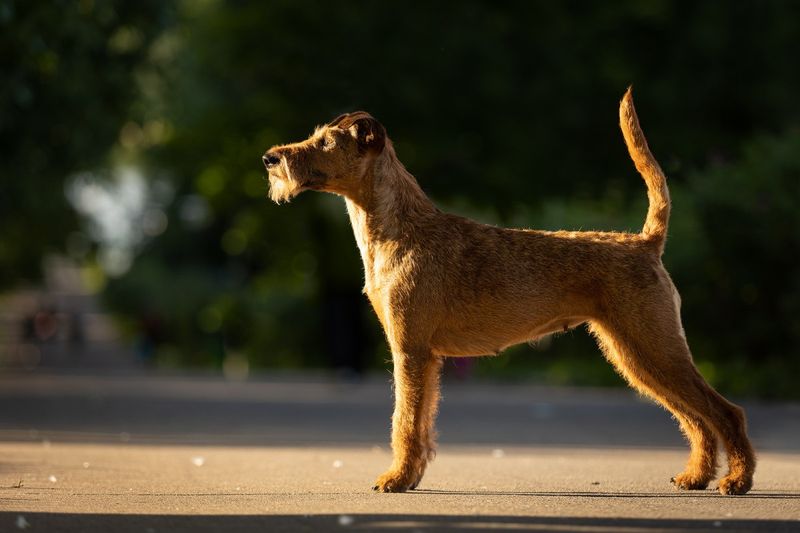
(443, 285)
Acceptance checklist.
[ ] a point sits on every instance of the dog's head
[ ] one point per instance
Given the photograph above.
(333, 159)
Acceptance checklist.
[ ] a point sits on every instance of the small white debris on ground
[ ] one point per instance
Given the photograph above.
(497, 453)
(338, 463)
(86, 464)
(22, 523)
(52, 478)
(345, 520)
(198, 461)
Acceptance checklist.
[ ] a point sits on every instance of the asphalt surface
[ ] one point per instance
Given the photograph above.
(154, 454)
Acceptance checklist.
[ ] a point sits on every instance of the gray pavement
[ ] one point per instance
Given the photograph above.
(114, 453)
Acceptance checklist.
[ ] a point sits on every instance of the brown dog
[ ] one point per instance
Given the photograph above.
(443, 285)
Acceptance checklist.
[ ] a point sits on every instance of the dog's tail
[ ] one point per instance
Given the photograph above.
(655, 225)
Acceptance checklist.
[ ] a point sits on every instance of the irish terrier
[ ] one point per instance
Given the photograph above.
(443, 285)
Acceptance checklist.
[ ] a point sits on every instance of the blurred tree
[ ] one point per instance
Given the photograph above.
(67, 70)
(737, 268)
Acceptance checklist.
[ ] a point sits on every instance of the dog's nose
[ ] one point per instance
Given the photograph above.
(270, 159)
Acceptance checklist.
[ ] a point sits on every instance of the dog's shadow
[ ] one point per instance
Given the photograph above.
(708, 493)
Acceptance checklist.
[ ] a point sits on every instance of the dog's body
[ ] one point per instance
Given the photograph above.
(443, 285)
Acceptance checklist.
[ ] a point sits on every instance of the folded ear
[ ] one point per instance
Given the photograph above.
(337, 120)
(368, 132)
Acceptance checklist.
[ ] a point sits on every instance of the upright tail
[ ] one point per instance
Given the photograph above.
(655, 225)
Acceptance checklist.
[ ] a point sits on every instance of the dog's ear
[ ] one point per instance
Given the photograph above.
(368, 132)
(335, 122)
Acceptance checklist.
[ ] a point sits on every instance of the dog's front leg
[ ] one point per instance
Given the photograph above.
(416, 388)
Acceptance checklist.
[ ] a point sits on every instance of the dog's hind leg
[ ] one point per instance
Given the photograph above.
(416, 384)
(702, 464)
(655, 359)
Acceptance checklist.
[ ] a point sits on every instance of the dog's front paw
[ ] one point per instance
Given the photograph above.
(396, 481)
(732, 485)
(687, 481)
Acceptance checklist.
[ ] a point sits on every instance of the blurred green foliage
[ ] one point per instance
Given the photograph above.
(67, 83)
(737, 268)
(505, 112)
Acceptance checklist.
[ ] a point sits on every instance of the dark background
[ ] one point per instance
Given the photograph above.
(131, 135)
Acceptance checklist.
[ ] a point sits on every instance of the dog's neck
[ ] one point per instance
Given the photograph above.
(384, 209)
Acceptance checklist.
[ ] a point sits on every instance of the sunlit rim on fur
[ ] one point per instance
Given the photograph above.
(283, 189)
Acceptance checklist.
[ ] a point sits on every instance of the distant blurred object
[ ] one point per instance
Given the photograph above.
(45, 323)
(59, 325)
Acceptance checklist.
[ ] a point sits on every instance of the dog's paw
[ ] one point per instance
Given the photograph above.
(687, 481)
(733, 485)
(394, 481)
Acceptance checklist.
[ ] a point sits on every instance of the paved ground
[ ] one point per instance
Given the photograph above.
(154, 454)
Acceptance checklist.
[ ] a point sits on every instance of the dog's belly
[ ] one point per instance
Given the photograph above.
(459, 341)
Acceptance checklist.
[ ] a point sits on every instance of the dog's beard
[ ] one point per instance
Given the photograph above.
(283, 189)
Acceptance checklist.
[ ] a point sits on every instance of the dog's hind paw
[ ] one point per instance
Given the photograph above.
(689, 482)
(734, 485)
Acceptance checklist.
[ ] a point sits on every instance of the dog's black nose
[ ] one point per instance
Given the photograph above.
(270, 160)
